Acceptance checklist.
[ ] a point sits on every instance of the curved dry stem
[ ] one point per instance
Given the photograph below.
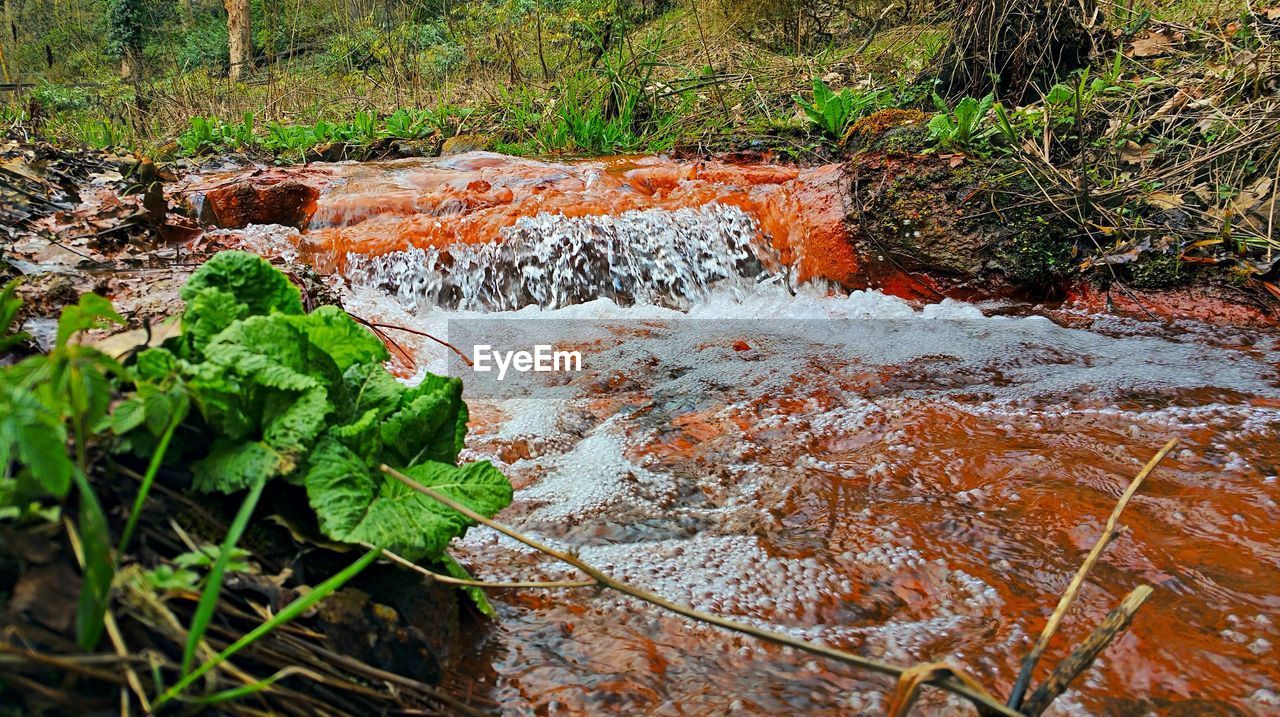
(984, 702)
(450, 580)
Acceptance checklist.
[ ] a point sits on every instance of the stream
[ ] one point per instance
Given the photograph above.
(913, 482)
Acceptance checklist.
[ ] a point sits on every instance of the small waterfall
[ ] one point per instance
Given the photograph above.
(653, 256)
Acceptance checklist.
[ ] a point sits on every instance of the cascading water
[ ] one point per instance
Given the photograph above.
(652, 256)
(911, 483)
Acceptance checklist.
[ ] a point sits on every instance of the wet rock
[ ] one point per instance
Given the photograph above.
(1219, 304)
(465, 143)
(429, 147)
(885, 127)
(266, 198)
(945, 216)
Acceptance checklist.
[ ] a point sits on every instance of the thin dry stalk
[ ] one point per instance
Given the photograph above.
(1083, 656)
(1064, 603)
(980, 699)
(450, 580)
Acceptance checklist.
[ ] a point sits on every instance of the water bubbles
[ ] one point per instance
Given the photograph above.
(653, 256)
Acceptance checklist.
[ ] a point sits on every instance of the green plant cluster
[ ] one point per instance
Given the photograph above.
(207, 135)
(833, 112)
(963, 127)
(253, 390)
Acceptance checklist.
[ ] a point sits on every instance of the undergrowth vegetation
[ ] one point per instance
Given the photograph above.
(250, 393)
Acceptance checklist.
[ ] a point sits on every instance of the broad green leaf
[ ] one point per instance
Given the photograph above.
(155, 364)
(265, 376)
(291, 424)
(233, 466)
(273, 353)
(34, 434)
(127, 415)
(333, 331)
(430, 424)
(91, 312)
(250, 279)
(209, 311)
(371, 387)
(356, 505)
(230, 286)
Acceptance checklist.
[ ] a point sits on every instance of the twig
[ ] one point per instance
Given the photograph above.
(416, 332)
(450, 580)
(1083, 656)
(982, 701)
(1064, 603)
(131, 676)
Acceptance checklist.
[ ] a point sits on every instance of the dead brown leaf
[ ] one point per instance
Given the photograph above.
(1152, 44)
(1165, 200)
(1134, 153)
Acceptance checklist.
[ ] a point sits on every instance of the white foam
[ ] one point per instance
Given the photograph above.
(652, 256)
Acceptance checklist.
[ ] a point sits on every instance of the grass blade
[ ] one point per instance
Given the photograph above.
(209, 598)
(95, 589)
(149, 478)
(290, 611)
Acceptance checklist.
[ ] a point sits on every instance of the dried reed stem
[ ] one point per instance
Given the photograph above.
(1083, 656)
(1064, 603)
(983, 701)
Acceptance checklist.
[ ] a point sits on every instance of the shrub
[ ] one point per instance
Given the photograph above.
(205, 44)
(60, 98)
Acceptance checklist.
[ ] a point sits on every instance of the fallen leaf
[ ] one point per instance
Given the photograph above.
(1134, 153)
(119, 344)
(1152, 44)
(108, 177)
(1165, 200)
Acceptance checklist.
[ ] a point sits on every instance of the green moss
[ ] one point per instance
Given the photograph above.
(1157, 271)
(1034, 253)
(911, 139)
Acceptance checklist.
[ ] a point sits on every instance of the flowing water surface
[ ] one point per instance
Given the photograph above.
(910, 482)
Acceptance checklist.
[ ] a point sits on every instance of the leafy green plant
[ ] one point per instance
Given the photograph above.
(305, 398)
(209, 134)
(835, 111)
(61, 98)
(101, 134)
(282, 394)
(9, 306)
(964, 127)
(46, 401)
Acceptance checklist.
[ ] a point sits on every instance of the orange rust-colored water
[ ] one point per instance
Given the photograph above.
(977, 518)
(920, 486)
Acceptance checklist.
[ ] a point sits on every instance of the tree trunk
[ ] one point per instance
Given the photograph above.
(8, 48)
(239, 37)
